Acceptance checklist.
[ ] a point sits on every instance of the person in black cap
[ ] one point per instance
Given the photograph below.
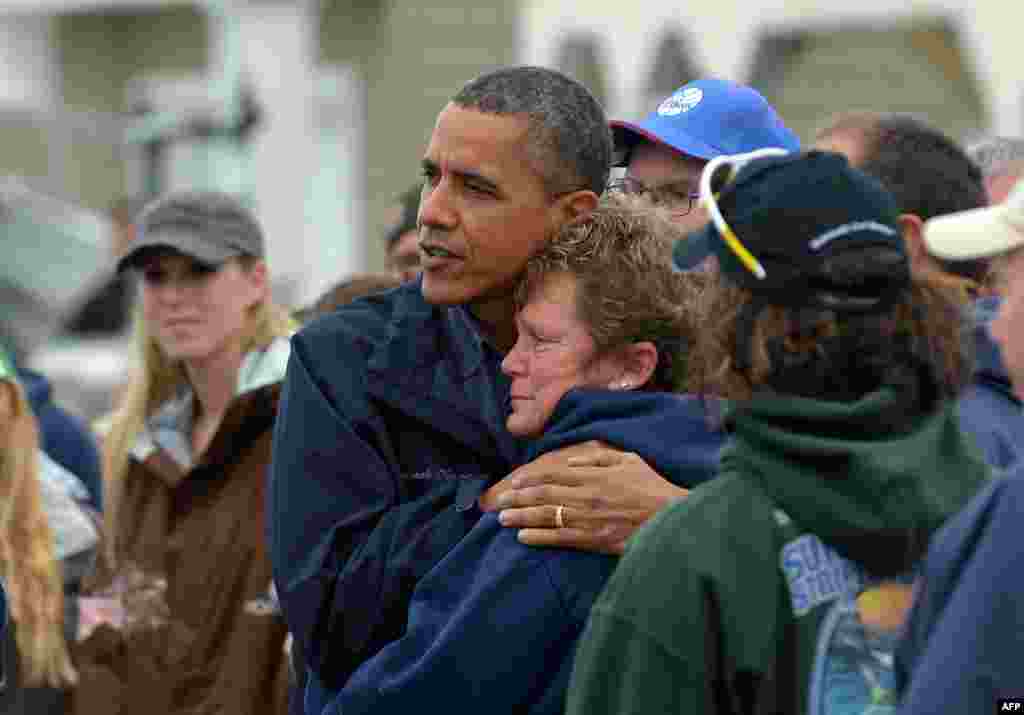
(781, 585)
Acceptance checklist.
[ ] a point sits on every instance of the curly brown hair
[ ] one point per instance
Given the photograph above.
(626, 288)
(835, 356)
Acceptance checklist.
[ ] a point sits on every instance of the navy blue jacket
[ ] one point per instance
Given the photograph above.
(962, 646)
(391, 423)
(64, 438)
(493, 627)
(989, 410)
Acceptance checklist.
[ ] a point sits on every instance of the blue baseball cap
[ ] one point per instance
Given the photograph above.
(707, 118)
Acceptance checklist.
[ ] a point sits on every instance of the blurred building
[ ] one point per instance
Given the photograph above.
(318, 110)
(952, 61)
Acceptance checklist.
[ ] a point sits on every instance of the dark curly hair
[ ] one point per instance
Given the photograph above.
(817, 353)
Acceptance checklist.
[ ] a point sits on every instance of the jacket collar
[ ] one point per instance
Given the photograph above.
(413, 339)
(167, 432)
(443, 373)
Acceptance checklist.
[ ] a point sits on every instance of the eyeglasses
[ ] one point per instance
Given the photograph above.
(681, 198)
(718, 173)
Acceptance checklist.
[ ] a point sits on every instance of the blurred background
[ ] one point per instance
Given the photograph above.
(317, 112)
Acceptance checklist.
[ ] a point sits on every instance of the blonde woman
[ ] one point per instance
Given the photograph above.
(180, 618)
(38, 667)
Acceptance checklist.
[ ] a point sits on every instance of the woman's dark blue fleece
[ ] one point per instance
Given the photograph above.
(493, 627)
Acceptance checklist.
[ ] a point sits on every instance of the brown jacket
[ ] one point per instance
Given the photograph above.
(217, 645)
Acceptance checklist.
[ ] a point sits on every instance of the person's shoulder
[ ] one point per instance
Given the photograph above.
(990, 516)
(706, 521)
(1001, 498)
(364, 325)
(368, 313)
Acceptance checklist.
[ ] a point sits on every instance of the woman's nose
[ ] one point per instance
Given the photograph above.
(512, 364)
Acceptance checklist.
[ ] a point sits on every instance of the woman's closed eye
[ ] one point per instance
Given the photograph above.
(542, 342)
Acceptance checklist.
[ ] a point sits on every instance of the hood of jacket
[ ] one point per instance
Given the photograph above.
(873, 478)
(673, 433)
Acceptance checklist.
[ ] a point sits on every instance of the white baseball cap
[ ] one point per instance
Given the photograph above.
(978, 233)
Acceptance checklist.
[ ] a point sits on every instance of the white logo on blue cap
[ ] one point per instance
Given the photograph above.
(682, 100)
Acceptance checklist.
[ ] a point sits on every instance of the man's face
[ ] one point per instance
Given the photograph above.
(405, 256)
(1008, 327)
(483, 211)
(999, 187)
(670, 179)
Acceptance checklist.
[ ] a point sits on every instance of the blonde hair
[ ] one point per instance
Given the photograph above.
(28, 562)
(155, 381)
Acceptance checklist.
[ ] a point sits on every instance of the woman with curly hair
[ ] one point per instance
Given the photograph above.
(601, 350)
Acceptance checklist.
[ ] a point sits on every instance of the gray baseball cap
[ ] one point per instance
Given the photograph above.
(207, 226)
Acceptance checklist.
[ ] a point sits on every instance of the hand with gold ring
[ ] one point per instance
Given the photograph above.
(611, 494)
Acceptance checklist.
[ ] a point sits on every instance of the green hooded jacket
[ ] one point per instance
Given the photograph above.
(729, 601)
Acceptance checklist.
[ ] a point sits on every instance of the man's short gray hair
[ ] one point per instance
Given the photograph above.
(996, 156)
(569, 142)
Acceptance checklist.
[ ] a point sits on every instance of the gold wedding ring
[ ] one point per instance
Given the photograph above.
(560, 517)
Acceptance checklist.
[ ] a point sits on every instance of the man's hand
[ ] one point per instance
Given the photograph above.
(605, 495)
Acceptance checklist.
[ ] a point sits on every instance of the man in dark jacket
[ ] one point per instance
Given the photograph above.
(930, 176)
(961, 650)
(393, 410)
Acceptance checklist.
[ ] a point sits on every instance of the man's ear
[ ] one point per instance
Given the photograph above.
(578, 203)
(638, 361)
(913, 239)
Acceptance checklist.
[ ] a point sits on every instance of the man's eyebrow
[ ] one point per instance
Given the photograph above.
(464, 174)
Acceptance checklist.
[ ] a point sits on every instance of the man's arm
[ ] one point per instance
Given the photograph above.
(605, 495)
(346, 553)
(961, 649)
